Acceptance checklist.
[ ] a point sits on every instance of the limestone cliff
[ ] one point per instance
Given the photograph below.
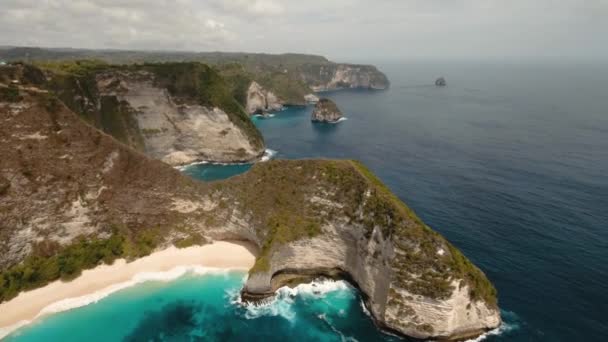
(260, 100)
(288, 76)
(326, 111)
(179, 113)
(333, 76)
(72, 197)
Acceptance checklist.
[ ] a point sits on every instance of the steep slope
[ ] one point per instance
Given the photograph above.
(179, 113)
(72, 197)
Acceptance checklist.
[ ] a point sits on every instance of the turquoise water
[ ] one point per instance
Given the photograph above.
(206, 307)
(211, 172)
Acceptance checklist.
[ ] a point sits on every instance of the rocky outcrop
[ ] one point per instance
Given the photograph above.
(440, 82)
(414, 282)
(64, 181)
(326, 111)
(332, 76)
(260, 100)
(311, 98)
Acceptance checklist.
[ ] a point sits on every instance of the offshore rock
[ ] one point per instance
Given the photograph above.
(326, 111)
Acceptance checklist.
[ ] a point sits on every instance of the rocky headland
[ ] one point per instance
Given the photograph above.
(326, 111)
(73, 197)
(261, 83)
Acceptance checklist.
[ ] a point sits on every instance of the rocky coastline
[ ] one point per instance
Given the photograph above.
(308, 218)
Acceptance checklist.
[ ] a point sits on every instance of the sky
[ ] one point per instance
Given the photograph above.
(338, 29)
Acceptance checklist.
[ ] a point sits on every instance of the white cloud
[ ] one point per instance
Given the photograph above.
(336, 28)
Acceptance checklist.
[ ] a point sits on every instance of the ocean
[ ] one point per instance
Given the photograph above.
(509, 162)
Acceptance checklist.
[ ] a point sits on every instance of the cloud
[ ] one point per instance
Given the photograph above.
(250, 7)
(112, 23)
(341, 29)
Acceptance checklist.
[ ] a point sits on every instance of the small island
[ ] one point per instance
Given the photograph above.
(326, 111)
(440, 82)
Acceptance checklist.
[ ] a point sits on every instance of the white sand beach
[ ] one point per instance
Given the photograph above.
(99, 282)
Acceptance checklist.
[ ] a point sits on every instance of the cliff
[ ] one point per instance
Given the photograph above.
(326, 111)
(332, 76)
(288, 76)
(72, 197)
(176, 112)
(260, 100)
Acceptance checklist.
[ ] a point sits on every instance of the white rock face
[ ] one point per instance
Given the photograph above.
(343, 247)
(175, 133)
(344, 76)
(451, 317)
(311, 98)
(261, 100)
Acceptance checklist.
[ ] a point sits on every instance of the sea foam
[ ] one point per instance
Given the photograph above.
(281, 304)
(510, 323)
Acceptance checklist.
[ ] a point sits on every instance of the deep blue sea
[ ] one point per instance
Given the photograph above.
(509, 162)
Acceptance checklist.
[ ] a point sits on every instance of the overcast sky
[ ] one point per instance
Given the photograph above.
(339, 29)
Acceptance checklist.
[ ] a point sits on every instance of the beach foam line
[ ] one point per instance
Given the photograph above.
(95, 284)
(268, 155)
(77, 302)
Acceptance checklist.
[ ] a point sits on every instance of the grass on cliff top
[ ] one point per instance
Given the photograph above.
(289, 214)
(436, 284)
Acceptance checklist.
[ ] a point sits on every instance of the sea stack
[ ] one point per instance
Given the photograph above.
(440, 82)
(326, 111)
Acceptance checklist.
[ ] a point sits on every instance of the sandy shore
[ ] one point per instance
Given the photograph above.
(97, 283)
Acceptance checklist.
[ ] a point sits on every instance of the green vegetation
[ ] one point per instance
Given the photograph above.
(288, 215)
(74, 82)
(192, 240)
(206, 86)
(72, 67)
(49, 261)
(284, 228)
(435, 274)
(10, 94)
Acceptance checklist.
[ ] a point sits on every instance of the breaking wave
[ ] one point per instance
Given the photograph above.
(282, 304)
(339, 120)
(268, 155)
(510, 323)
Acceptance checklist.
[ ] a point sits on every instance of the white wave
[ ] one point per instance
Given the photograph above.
(264, 116)
(77, 302)
(343, 337)
(5, 331)
(268, 155)
(339, 120)
(364, 308)
(184, 167)
(281, 304)
(503, 328)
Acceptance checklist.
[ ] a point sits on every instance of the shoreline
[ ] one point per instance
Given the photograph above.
(103, 280)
